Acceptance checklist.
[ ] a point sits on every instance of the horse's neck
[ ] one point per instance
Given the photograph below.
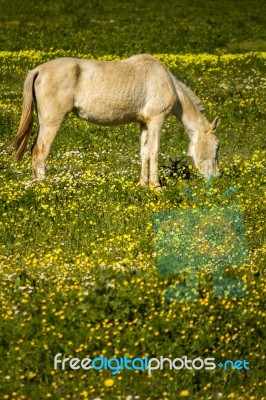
(189, 115)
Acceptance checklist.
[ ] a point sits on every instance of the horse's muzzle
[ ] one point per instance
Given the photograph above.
(210, 175)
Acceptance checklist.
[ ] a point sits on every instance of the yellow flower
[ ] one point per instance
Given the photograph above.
(184, 393)
(31, 374)
(109, 382)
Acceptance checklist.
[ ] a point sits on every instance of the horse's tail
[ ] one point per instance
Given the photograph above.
(20, 141)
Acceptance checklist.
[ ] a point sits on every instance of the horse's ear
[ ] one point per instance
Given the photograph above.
(215, 124)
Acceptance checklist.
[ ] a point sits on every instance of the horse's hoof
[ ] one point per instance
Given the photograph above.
(32, 182)
(29, 183)
(39, 178)
(144, 184)
(156, 187)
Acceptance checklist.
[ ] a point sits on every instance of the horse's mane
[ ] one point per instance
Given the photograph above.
(193, 97)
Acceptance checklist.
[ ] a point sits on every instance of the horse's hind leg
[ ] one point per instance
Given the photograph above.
(144, 156)
(42, 146)
(154, 128)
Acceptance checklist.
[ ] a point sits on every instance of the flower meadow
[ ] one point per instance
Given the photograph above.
(78, 265)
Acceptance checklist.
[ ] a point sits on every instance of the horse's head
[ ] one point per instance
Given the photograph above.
(204, 151)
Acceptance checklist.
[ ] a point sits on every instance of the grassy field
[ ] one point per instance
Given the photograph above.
(78, 266)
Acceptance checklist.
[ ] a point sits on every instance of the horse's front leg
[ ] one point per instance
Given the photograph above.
(144, 155)
(154, 128)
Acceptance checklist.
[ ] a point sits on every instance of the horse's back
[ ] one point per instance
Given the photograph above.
(136, 70)
(107, 92)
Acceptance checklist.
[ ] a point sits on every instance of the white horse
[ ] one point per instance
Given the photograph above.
(138, 89)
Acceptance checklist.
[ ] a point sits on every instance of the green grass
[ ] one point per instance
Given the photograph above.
(124, 27)
(78, 266)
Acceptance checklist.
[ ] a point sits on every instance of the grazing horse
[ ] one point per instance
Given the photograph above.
(138, 89)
